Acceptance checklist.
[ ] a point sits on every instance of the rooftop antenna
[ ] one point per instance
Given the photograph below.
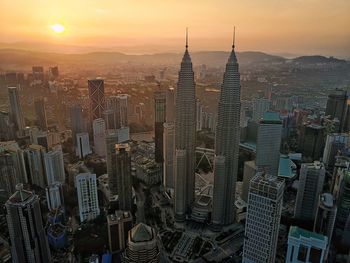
(234, 37)
(186, 37)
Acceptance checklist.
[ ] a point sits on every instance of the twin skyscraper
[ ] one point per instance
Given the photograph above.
(226, 142)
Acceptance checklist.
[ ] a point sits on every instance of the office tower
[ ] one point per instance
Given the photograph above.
(111, 141)
(142, 245)
(260, 106)
(226, 144)
(185, 137)
(269, 143)
(8, 176)
(336, 144)
(38, 73)
(119, 224)
(199, 115)
(343, 202)
(87, 196)
(325, 217)
(170, 105)
(305, 246)
(16, 110)
(123, 109)
(168, 150)
(160, 116)
(109, 118)
(35, 156)
(117, 111)
(53, 72)
(54, 166)
(83, 145)
(77, 121)
(248, 173)
(311, 181)
(54, 196)
(338, 107)
(27, 233)
(7, 127)
(97, 98)
(263, 218)
(40, 112)
(122, 172)
(312, 141)
(99, 130)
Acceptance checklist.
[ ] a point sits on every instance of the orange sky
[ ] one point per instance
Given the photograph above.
(296, 26)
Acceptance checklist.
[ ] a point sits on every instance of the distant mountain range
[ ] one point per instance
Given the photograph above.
(18, 58)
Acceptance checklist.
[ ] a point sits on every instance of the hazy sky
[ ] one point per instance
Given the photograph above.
(296, 26)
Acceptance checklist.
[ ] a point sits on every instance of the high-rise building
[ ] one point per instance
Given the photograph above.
(123, 109)
(7, 127)
(185, 137)
(27, 234)
(40, 112)
(343, 202)
(99, 130)
(16, 110)
(87, 196)
(83, 145)
(336, 144)
(77, 121)
(142, 245)
(111, 141)
(54, 166)
(160, 117)
(97, 98)
(269, 143)
(311, 141)
(119, 224)
(35, 156)
(325, 217)
(263, 218)
(305, 246)
(199, 115)
(38, 73)
(8, 175)
(249, 172)
(311, 179)
(338, 107)
(170, 105)
(122, 170)
(168, 150)
(260, 106)
(54, 196)
(226, 144)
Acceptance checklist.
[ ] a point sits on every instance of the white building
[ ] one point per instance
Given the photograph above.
(99, 130)
(263, 219)
(54, 166)
(35, 156)
(54, 196)
(83, 145)
(87, 196)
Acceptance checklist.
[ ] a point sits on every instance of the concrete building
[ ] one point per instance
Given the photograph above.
(97, 98)
(117, 111)
(77, 122)
(142, 245)
(343, 202)
(260, 106)
(336, 144)
(35, 159)
(263, 219)
(99, 131)
(170, 105)
(311, 141)
(311, 180)
(248, 173)
(111, 141)
(40, 113)
(83, 145)
(54, 196)
(168, 150)
(338, 107)
(119, 224)
(160, 118)
(199, 115)
(185, 138)
(27, 234)
(269, 143)
(16, 110)
(8, 175)
(54, 166)
(87, 196)
(147, 170)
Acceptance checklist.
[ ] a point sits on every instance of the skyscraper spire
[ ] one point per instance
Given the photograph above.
(186, 37)
(234, 37)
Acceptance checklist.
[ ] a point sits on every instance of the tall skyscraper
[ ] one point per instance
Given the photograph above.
(170, 104)
(226, 144)
(160, 117)
(87, 196)
(8, 175)
(311, 142)
(336, 144)
(40, 112)
(142, 245)
(99, 130)
(338, 106)
(111, 141)
(54, 166)
(122, 172)
(123, 109)
(185, 137)
(97, 98)
(83, 145)
(269, 143)
(260, 106)
(16, 110)
(54, 196)
(263, 219)
(116, 114)
(168, 150)
(27, 234)
(199, 115)
(311, 181)
(343, 202)
(77, 121)
(35, 156)
(248, 173)
(119, 225)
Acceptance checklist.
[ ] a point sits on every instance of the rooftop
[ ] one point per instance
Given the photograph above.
(298, 232)
(141, 233)
(271, 117)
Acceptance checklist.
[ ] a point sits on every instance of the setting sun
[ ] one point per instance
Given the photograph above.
(57, 28)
